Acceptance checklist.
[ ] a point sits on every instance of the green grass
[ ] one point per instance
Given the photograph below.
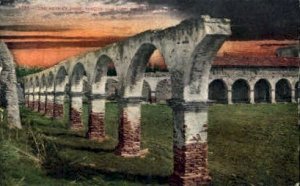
(248, 144)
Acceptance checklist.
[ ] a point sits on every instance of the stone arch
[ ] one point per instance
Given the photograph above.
(198, 69)
(135, 75)
(163, 90)
(77, 78)
(104, 67)
(96, 123)
(50, 94)
(217, 91)
(50, 81)
(43, 95)
(262, 91)
(130, 103)
(37, 89)
(283, 91)
(61, 92)
(240, 91)
(297, 92)
(61, 79)
(77, 88)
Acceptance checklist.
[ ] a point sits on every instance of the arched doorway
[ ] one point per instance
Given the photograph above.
(283, 91)
(262, 91)
(217, 91)
(240, 91)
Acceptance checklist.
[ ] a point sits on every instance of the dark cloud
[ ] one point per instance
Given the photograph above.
(32, 28)
(251, 19)
(49, 37)
(12, 2)
(57, 44)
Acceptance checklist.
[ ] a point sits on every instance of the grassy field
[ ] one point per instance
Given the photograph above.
(248, 145)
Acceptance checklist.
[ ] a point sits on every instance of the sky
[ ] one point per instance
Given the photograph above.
(44, 32)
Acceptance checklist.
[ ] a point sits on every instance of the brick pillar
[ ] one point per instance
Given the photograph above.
(96, 128)
(58, 106)
(229, 96)
(273, 95)
(30, 100)
(153, 97)
(26, 100)
(129, 127)
(190, 143)
(36, 104)
(49, 104)
(252, 101)
(42, 103)
(76, 123)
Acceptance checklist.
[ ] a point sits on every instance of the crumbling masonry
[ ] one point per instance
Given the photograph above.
(8, 87)
(188, 51)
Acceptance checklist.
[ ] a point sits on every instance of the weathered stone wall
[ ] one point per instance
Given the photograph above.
(228, 75)
(8, 78)
(188, 49)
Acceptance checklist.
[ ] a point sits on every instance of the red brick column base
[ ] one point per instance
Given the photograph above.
(96, 127)
(58, 111)
(129, 138)
(49, 110)
(27, 103)
(36, 106)
(190, 166)
(42, 108)
(76, 122)
(30, 104)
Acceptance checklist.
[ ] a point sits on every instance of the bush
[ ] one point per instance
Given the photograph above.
(8, 162)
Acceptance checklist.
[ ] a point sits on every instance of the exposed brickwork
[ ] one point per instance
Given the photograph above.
(76, 121)
(96, 129)
(49, 109)
(58, 111)
(190, 165)
(42, 107)
(36, 106)
(27, 102)
(31, 105)
(129, 138)
(153, 99)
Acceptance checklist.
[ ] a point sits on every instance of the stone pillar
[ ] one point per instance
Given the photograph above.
(58, 106)
(129, 127)
(49, 104)
(252, 101)
(190, 143)
(96, 130)
(293, 94)
(229, 96)
(273, 95)
(153, 97)
(76, 123)
(42, 108)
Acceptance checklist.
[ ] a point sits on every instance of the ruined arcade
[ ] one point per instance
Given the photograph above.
(188, 49)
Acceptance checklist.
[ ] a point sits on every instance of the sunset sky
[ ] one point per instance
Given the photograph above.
(43, 32)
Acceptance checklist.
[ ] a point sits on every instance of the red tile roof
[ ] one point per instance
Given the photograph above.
(250, 61)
